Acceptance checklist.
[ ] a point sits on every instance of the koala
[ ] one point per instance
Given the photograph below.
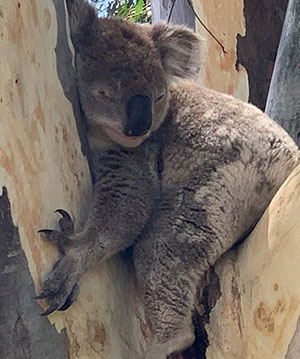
(182, 172)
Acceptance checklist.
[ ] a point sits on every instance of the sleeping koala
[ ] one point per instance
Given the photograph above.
(182, 172)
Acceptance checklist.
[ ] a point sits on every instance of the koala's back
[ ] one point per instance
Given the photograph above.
(224, 160)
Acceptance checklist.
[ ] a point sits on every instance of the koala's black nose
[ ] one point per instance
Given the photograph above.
(139, 116)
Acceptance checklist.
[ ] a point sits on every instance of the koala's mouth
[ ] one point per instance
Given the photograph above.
(123, 140)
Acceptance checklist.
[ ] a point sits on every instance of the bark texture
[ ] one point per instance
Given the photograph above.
(283, 103)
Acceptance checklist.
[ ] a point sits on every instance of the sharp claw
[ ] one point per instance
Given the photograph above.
(63, 213)
(56, 264)
(50, 310)
(66, 224)
(71, 298)
(55, 237)
(65, 306)
(41, 296)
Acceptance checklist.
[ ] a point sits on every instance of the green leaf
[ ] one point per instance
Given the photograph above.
(123, 10)
(132, 10)
(138, 7)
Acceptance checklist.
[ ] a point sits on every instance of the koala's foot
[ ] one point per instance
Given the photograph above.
(60, 287)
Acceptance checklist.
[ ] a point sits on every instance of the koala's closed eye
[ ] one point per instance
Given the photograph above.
(160, 96)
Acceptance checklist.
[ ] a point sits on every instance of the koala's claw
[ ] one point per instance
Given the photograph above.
(56, 237)
(53, 307)
(67, 228)
(66, 223)
(60, 289)
(50, 310)
(43, 295)
(71, 298)
(61, 239)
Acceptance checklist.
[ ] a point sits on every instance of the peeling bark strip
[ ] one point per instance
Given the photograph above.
(257, 50)
(23, 333)
(283, 103)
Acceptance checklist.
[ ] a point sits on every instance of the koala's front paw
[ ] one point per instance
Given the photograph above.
(60, 287)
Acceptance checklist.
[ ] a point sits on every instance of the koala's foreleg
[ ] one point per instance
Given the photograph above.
(118, 212)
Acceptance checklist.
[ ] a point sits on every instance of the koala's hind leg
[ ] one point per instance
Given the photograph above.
(170, 261)
(168, 299)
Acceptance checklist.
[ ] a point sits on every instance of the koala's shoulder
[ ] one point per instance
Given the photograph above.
(194, 106)
(207, 120)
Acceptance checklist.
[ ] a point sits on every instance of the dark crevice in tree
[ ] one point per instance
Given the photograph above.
(256, 51)
(207, 300)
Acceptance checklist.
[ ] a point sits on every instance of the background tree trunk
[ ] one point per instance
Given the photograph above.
(177, 12)
(283, 103)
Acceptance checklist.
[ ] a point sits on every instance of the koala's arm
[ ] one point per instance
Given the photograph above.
(123, 198)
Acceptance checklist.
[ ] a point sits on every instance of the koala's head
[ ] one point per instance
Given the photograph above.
(124, 71)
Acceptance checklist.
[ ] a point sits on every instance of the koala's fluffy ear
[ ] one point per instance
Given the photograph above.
(179, 48)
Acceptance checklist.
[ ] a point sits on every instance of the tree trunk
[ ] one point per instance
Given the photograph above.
(283, 104)
(44, 166)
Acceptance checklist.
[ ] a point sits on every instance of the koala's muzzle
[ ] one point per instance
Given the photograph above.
(139, 116)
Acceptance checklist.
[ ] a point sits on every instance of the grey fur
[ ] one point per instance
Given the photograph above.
(188, 189)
